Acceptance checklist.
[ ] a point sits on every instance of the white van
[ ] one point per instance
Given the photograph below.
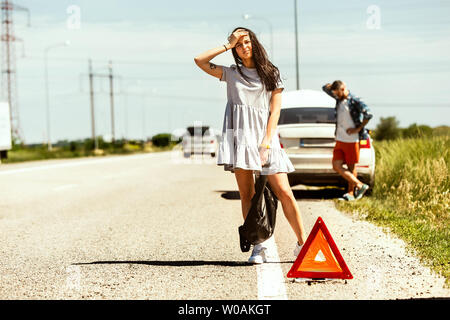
(201, 139)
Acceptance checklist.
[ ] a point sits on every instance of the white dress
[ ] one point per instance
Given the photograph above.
(245, 125)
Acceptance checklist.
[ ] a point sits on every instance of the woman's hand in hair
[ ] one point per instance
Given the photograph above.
(234, 37)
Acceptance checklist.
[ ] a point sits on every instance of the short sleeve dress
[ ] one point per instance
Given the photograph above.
(245, 125)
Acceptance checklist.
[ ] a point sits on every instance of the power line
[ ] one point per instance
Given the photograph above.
(116, 61)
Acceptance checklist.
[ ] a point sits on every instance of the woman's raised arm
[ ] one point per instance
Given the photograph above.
(203, 59)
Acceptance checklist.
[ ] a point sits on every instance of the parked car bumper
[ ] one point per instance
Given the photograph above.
(200, 149)
(319, 171)
(316, 178)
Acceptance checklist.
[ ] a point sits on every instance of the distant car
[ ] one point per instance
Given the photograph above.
(201, 139)
(306, 130)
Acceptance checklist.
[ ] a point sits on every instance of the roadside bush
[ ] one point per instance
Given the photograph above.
(89, 145)
(417, 131)
(387, 129)
(74, 146)
(118, 144)
(441, 131)
(161, 140)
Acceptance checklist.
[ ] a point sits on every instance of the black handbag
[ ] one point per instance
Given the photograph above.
(259, 224)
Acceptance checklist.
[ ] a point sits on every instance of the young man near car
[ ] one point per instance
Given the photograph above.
(351, 117)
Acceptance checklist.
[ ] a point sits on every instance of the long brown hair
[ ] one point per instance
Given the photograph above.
(336, 85)
(269, 74)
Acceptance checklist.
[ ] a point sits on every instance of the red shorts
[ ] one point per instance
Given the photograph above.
(347, 151)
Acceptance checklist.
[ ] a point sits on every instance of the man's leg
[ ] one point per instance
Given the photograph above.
(347, 174)
(351, 187)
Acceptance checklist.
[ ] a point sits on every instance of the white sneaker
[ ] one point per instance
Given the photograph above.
(297, 249)
(258, 254)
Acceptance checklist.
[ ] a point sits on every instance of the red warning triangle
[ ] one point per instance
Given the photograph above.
(319, 257)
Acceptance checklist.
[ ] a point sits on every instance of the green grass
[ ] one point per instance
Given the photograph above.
(411, 196)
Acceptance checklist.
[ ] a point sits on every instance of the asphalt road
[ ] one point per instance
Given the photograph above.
(158, 226)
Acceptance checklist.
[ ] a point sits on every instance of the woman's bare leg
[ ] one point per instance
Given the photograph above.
(279, 183)
(246, 185)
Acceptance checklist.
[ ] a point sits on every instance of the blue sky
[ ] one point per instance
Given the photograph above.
(401, 69)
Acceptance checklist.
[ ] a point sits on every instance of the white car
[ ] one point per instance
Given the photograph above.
(200, 139)
(306, 130)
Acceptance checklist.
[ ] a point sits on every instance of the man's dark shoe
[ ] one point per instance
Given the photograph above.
(360, 192)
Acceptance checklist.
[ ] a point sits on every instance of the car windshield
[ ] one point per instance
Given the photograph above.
(197, 129)
(307, 115)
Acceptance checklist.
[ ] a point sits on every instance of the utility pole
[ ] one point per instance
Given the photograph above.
(111, 77)
(9, 83)
(111, 94)
(296, 47)
(91, 86)
(144, 138)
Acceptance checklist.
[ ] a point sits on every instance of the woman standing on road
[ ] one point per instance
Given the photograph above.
(249, 137)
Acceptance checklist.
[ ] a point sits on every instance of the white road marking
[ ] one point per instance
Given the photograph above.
(271, 283)
(75, 163)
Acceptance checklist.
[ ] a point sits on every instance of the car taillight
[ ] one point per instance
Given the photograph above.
(279, 138)
(364, 143)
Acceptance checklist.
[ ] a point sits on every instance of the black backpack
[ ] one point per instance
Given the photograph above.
(260, 221)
